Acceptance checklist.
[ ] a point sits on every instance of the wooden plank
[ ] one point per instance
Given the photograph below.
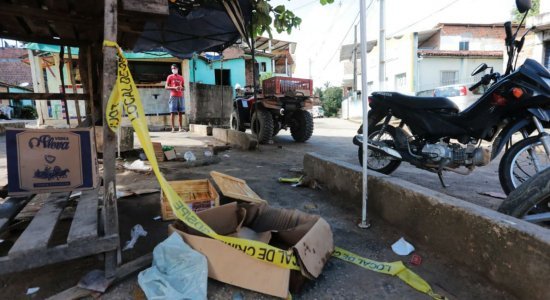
(34, 13)
(84, 226)
(110, 215)
(150, 7)
(38, 233)
(10, 208)
(123, 271)
(43, 96)
(73, 84)
(236, 188)
(45, 256)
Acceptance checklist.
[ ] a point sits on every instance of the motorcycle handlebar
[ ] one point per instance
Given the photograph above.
(508, 29)
(475, 86)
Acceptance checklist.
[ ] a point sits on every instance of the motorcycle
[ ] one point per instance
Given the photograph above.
(432, 134)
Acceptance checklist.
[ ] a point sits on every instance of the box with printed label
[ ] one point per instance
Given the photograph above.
(50, 160)
(308, 236)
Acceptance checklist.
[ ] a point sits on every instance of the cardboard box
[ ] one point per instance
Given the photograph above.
(199, 195)
(309, 236)
(50, 160)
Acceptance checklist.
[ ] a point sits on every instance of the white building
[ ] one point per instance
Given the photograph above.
(421, 61)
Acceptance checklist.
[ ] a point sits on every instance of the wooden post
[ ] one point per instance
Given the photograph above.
(73, 84)
(61, 66)
(109, 146)
(86, 83)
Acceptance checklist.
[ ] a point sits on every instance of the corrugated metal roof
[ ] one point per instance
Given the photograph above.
(464, 53)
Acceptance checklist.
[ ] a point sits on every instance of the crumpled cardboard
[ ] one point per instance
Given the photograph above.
(309, 236)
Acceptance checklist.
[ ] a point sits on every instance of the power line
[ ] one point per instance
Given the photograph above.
(345, 36)
(341, 43)
(330, 27)
(424, 18)
(303, 5)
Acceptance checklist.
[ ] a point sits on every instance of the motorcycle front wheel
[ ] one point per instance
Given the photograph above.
(377, 161)
(531, 200)
(522, 161)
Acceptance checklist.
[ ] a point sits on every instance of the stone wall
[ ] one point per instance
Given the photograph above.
(210, 104)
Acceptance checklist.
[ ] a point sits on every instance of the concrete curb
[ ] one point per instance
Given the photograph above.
(235, 138)
(201, 129)
(511, 253)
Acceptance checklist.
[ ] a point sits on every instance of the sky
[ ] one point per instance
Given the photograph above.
(325, 28)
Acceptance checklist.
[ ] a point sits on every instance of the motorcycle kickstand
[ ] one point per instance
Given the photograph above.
(440, 175)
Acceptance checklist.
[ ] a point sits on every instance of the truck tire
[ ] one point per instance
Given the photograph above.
(262, 126)
(235, 122)
(302, 127)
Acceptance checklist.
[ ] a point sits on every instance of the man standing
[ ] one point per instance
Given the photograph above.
(174, 83)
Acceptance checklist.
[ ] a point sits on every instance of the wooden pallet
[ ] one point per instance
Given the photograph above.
(235, 188)
(198, 194)
(32, 248)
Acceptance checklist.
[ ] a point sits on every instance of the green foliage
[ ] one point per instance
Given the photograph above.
(28, 112)
(331, 97)
(265, 76)
(318, 92)
(265, 17)
(532, 12)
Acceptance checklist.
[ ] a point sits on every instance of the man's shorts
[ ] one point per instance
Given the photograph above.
(176, 104)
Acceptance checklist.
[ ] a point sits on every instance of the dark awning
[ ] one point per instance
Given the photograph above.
(193, 27)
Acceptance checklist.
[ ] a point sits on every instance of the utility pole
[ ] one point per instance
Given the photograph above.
(382, 47)
(310, 68)
(355, 59)
(363, 12)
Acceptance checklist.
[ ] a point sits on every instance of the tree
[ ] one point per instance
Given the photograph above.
(331, 98)
(532, 12)
(265, 16)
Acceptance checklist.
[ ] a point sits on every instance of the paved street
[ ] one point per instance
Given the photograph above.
(333, 137)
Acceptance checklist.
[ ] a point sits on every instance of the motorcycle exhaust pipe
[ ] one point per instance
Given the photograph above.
(385, 150)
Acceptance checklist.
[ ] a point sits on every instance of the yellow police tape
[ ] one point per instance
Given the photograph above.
(394, 268)
(125, 97)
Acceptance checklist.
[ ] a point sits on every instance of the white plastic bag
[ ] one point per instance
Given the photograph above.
(178, 272)
(136, 232)
(189, 156)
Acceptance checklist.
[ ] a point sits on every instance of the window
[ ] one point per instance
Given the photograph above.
(222, 77)
(400, 81)
(449, 77)
(262, 67)
(465, 45)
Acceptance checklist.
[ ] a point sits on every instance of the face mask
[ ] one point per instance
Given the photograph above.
(174, 71)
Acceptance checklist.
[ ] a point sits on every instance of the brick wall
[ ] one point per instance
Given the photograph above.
(12, 69)
(233, 52)
(470, 30)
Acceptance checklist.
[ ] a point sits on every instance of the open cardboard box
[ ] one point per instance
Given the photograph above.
(309, 236)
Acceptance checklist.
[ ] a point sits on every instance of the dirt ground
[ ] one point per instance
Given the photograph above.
(261, 169)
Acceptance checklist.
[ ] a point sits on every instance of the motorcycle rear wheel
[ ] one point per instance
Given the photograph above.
(517, 164)
(376, 161)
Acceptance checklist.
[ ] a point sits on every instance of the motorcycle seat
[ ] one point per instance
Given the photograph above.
(416, 102)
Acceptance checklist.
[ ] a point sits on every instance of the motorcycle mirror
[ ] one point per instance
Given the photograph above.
(480, 69)
(523, 5)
